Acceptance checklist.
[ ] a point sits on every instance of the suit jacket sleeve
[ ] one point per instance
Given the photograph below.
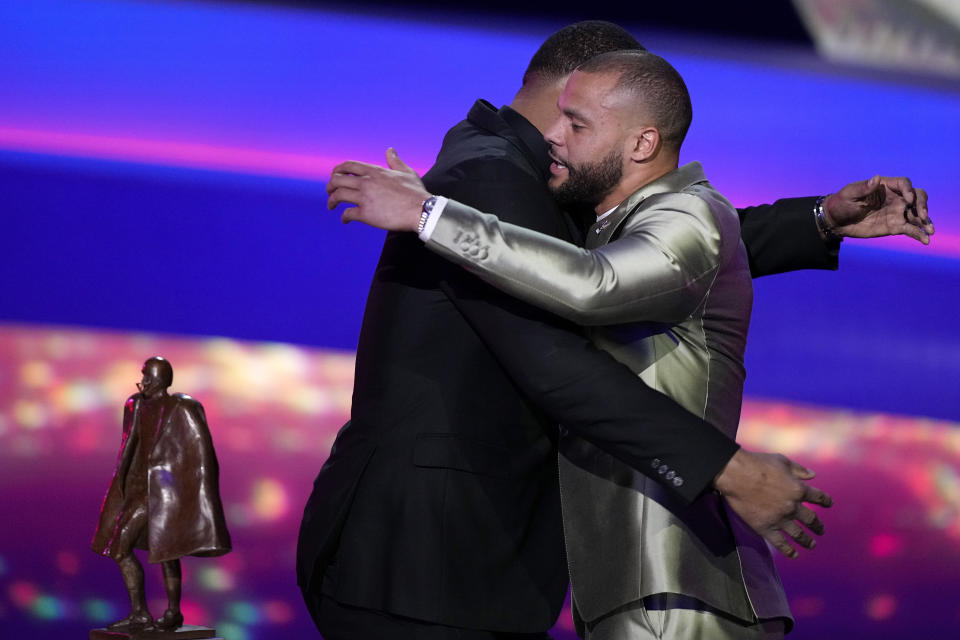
(560, 370)
(783, 237)
(659, 269)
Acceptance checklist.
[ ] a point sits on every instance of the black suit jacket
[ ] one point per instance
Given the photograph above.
(439, 500)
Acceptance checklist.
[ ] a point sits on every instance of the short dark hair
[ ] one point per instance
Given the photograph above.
(656, 84)
(571, 46)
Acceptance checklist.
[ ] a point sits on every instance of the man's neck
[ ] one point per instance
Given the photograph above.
(641, 177)
(538, 104)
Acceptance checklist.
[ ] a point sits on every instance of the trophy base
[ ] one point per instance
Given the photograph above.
(186, 632)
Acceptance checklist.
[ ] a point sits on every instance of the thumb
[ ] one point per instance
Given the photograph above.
(863, 188)
(349, 215)
(394, 162)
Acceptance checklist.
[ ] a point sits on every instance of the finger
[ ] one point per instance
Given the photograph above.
(922, 212)
(911, 214)
(809, 518)
(338, 180)
(912, 230)
(815, 496)
(357, 168)
(394, 162)
(800, 471)
(349, 215)
(780, 543)
(802, 538)
(901, 219)
(906, 223)
(341, 195)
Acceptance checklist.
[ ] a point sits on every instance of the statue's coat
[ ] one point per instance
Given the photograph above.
(184, 512)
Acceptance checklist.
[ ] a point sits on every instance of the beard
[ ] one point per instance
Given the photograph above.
(588, 184)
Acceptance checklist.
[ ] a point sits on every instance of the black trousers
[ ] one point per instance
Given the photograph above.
(343, 622)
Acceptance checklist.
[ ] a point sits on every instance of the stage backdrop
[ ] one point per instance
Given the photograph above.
(162, 171)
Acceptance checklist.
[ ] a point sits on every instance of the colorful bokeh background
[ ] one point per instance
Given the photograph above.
(162, 169)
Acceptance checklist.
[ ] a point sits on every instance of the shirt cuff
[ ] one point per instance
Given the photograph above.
(433, 218)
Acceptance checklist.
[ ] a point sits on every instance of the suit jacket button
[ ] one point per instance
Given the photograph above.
(656, 463)
(663, 469)
(671, 475)
(678, 481)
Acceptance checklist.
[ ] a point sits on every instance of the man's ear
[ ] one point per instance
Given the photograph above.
(644, 144)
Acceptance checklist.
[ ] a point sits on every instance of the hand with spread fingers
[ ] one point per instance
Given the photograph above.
(768, 491)
(880, 206)
(388, 198)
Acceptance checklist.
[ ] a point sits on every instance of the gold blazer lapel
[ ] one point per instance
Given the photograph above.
(602, 230)
(677, 180)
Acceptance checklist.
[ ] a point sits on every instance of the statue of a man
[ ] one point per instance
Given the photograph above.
(164, 496)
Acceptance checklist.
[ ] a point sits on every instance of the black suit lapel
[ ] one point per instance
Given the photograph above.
(519, 132)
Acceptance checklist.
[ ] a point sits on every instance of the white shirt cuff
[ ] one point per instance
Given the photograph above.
(433, 218)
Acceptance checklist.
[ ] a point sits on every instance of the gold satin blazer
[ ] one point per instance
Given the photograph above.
(664, 286)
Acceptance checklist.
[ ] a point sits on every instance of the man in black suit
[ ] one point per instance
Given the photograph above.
(437, 513)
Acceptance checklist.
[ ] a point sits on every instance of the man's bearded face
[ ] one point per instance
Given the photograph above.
(587, 142)
(588, 183)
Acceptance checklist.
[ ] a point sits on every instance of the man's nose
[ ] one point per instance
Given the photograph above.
(552, 135)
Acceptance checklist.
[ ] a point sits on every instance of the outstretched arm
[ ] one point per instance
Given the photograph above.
(785, 236)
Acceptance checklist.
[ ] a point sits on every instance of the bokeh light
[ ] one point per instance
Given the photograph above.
(278, 612)
(31, 414)
(47, 607)
(36, 373)
(233, 631)
(99, 610)
(78, 396)
(23, 594)
(244, 613)
(216, 578)
(68, 562)
(881, 607)
(269, 499)
(884, 545)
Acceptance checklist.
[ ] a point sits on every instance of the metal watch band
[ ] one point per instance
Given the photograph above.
(821, 220)
(425, 210)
